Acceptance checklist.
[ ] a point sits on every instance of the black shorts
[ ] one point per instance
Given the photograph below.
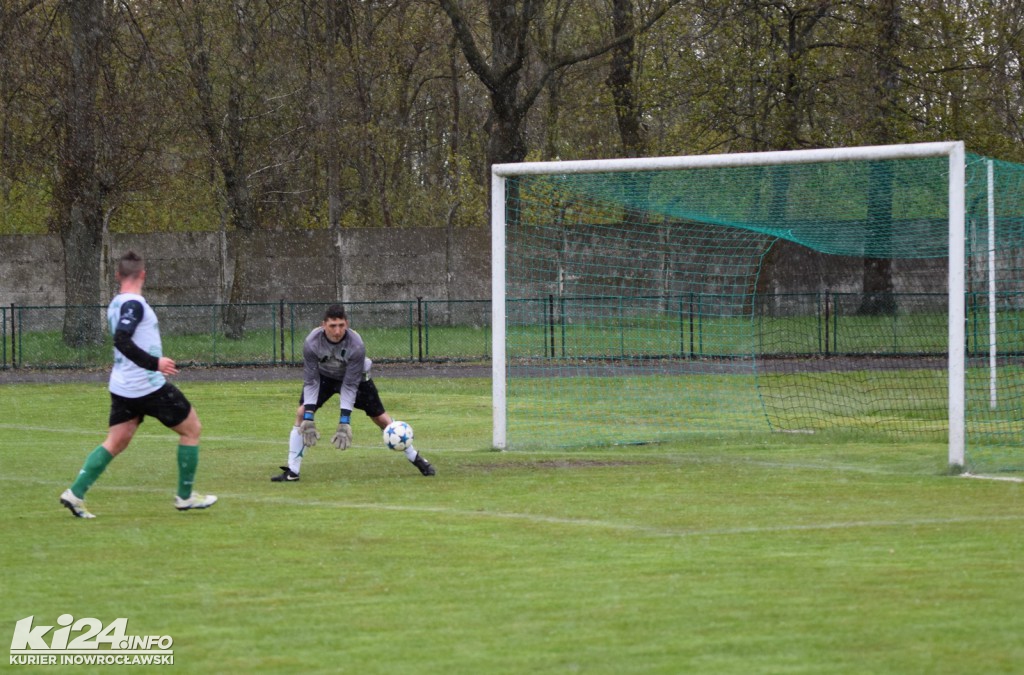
(167, 404)
(367, 398)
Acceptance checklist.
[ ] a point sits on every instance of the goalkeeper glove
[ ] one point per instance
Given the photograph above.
(308, 430)
(342, 438)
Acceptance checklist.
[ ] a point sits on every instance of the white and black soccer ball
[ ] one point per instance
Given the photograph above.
(398, 436)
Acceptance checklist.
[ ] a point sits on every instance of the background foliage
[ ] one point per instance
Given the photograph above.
(310, 113)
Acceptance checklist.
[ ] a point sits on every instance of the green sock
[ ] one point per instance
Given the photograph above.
(94, 465)
(188, 460)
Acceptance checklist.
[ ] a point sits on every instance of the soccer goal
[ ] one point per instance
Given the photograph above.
(874, 290)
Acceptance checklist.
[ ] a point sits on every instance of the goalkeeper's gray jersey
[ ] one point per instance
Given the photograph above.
(344, 360)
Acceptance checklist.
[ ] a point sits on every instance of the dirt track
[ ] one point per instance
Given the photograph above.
(593, 368)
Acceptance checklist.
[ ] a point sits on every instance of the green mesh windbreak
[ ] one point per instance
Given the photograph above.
(653, 305)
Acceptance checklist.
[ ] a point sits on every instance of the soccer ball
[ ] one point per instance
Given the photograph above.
(398, 436)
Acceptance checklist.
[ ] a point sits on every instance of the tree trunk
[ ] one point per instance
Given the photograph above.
(505, 143)
(878, 296)
(621, 82)
(225, 131)
(236, 310)
(79, 195)
(243, 216)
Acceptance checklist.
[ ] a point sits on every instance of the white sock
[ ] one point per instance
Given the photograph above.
(295, 450)
(410, 453)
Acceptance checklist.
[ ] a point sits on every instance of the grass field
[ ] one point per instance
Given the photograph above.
(737, 554)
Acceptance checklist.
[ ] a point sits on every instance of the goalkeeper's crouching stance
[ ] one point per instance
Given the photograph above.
(334, 362)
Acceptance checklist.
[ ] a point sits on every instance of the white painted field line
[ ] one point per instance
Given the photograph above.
(161, 433)
(630, 527)
(100, 432)
(228, 498)
(52, 430)
(980, 476)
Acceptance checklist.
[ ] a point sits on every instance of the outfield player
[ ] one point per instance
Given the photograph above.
(334, 362)
(139, 387)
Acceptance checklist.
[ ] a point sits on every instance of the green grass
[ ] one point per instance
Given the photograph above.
(735, 554)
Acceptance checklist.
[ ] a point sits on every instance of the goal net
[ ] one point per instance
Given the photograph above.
(646, 300)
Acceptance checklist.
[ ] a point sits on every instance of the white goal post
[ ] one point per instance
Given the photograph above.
(954, 151)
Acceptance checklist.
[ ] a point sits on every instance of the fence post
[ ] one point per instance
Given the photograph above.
(214, 328)
(692, 346)
(291, 331)
(561, 322)
(14, 339)
(682, 328)
(280, 323)
(622, 328)
(895, 335)
(828, 308)
(419, 324)
(551, 322)
(817, 317)
(835, 327)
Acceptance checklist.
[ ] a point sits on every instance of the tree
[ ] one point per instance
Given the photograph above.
(628, 114)
(244, 104)
(223, 123)
(17, 50)
(80, 195)
(80, 127)
(520, 59)
(886, 21)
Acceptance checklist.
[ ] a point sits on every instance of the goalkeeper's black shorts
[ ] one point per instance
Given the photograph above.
(367, 398)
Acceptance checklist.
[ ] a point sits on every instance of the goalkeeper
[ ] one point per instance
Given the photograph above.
(334, 362)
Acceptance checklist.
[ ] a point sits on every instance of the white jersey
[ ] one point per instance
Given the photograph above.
(131, 313)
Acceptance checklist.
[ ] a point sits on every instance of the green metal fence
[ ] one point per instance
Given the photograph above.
(791, 325)
(411, 331)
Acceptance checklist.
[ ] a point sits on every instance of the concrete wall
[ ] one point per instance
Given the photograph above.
(31, 270)
(369, 265)
(314, 266)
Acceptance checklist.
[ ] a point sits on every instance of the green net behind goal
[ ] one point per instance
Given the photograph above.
(663, 304)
